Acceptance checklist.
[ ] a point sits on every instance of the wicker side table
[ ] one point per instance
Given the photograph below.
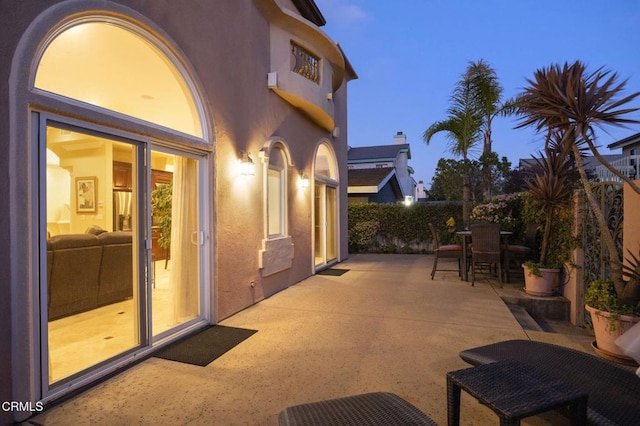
(370, 409)
(513, 391)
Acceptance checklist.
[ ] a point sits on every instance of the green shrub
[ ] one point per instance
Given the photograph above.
(362, 235)
(399, 225)
(407, 250)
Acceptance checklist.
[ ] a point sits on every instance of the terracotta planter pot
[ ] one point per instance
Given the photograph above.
(541, 286)
(605, 338)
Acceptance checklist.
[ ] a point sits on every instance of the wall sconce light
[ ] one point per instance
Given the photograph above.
(408, 200)
(304, 181)
(247, 168)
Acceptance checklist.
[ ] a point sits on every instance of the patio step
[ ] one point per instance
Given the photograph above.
(551, 308)
(547, 308)
(526, 321)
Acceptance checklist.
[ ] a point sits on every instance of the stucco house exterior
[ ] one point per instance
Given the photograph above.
(165, 165)
(629, 161)
(381, 173)
(592, 166)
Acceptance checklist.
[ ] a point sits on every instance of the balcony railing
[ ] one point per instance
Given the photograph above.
(305, 63)
(627, 165)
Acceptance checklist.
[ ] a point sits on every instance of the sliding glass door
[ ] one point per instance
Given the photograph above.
(176, 243)
(122, 243)
(94, 262)
(325, 207)
(325, 225)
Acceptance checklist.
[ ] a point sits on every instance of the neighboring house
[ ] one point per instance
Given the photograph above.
(168, 163)
(381, 174)
(374, 185)
(421, 192)
(595, 170)
(629, 160)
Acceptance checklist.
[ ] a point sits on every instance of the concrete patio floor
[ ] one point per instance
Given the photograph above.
(382, 326)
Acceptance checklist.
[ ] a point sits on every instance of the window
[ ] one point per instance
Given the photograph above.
(96, 213)
(305, 63)
(276, 254)
(276, 194)
(86, 62)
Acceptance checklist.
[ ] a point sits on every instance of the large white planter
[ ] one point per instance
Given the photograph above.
(541, 286)
(605, 337)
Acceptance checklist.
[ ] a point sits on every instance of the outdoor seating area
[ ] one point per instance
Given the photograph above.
(492, 248)
(516, 379)
(613, 391)
(383, 329)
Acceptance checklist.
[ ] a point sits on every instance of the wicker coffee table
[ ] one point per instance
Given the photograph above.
(370, 409)
(514, 391)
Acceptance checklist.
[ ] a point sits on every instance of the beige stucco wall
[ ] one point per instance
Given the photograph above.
(227, 45)
(631, 226)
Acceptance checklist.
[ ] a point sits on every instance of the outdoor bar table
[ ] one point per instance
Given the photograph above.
(466, 239)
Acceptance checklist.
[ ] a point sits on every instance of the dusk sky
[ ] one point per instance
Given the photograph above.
(409, 54)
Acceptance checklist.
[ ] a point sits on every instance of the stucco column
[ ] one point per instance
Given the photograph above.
(630, 227)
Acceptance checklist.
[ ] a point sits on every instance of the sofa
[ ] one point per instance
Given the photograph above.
(88, 270)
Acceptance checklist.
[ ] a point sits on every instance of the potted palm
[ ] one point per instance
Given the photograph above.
(550, 187)
(576, 101)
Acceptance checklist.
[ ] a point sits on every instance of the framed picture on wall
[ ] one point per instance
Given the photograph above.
(86, 190)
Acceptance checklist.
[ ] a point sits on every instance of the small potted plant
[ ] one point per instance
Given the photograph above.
(551, 187)
(611, 314)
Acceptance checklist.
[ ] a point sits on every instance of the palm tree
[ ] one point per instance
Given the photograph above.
(570, 99)
(488, 93)
(463, 128)
(552, 183)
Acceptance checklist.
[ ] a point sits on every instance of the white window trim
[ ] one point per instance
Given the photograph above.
(277, 250)
(265, 155)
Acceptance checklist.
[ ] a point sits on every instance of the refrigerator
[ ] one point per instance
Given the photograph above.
(122, 210)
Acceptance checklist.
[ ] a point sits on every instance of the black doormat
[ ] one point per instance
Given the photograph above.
(332, 271)
(205, 346)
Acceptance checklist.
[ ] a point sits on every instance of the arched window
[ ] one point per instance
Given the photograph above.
(119, 193)
(140, 81)
(277, 245)
(325, 164)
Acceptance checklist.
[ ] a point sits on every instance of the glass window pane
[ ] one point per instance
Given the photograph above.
(318, 228)
(274, 188)
(112, 67)
(175, 242)
(92, 261)
(324, 164)
(332, 224)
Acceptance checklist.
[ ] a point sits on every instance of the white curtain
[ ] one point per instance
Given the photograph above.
(184, 240)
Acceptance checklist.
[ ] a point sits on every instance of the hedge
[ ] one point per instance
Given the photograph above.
(396, 228)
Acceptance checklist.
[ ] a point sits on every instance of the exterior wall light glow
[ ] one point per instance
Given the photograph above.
(304, 181)
(408, 200)
(247, 167)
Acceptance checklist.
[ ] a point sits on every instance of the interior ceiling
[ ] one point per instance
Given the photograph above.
(112, 67)
(66, 144)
